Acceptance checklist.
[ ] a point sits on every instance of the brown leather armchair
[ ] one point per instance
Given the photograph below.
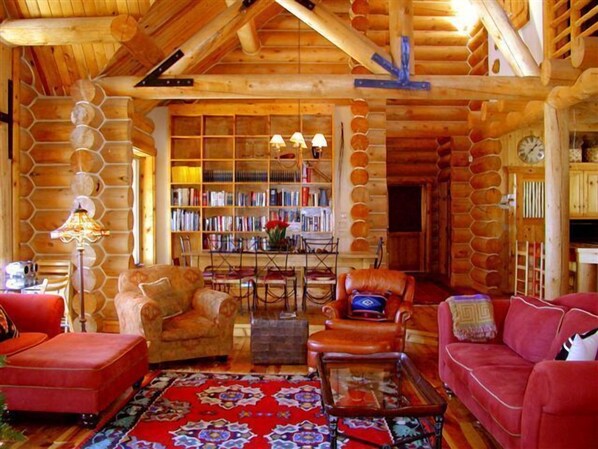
(399, 308)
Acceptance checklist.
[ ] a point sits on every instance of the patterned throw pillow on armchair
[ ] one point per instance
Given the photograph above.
(367, 306)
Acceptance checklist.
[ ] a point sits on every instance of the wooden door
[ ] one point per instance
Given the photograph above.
(444, 230)
(409, 227)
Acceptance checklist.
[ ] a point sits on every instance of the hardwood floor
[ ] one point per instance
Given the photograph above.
(460, 431)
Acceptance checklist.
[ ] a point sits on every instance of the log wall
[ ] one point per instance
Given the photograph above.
(78, 150)
(488, 219)
(369, 194)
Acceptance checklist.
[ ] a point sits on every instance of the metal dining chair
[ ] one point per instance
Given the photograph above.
(236, 268)
(276, 277)
(379, 253)
(321, 256)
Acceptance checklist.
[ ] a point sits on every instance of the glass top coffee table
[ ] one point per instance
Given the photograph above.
(384, 385)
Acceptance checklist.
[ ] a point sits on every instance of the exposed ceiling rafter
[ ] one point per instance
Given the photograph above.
(507, 39)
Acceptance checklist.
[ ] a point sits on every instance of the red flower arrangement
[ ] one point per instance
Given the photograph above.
(276, 230)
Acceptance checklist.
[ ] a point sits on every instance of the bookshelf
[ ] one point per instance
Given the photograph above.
(227, 182)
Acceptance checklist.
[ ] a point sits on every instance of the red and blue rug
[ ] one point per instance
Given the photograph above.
(236, 411)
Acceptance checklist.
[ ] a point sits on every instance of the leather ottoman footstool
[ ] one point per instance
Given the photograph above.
(74, 373)
(343, 341)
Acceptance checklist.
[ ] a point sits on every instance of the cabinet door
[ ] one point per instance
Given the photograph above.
(576, 199)
(591, 196)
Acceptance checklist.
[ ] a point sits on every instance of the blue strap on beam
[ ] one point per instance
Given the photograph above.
(402, 73)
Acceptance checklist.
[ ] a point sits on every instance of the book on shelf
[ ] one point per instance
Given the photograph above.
(184, 197)
(273, 197)
(305, 196)
(184, 220)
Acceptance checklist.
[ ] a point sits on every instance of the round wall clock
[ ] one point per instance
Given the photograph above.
(530, 149)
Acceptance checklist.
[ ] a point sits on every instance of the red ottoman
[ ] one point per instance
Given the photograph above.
(74, 373)
(330, 340)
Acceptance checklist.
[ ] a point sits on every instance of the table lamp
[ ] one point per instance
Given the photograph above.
(81, 228)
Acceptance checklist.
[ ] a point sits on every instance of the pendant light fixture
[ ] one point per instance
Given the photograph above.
(318, 142)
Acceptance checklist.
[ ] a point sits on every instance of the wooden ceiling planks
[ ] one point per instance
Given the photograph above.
(169, 24)
(60, 66)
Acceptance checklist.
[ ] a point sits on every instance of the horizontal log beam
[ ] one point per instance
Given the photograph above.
(51, 31)
(329, 87)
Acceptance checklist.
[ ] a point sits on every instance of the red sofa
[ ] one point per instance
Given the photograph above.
(513, 385)
(50, 371)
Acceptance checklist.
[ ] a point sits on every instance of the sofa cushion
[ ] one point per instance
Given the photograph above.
(530, 327)
(580, 347)
(499, 390)
(576, 321)
(463, 358)
(24, 341)
(188, 326)
(162, 292)
(74, 360)
(8, 329)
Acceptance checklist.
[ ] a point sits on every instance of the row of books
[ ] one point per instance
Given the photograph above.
(251, 176)
(284, 197)
(220, 223)
(288, 215)
(184, 220)
(251, 199)
(220, 242)
(217, 198)
(218, 176)
(184, 197)
(250, 223)
(317, 223)
(184, 173)
(285, 176)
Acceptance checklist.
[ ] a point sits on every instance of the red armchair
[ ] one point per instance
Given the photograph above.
(398, 310)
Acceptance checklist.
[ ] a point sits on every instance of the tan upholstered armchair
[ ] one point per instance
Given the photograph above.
(179, 318)
(396, 285)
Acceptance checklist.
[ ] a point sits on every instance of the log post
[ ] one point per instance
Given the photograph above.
(556, 137)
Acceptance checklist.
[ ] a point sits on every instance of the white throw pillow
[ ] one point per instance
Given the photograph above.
(584, 349)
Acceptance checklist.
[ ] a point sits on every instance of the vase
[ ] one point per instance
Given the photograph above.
(323, 201)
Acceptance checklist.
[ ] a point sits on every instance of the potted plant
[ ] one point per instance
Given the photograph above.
(276, 230)
(7, 433)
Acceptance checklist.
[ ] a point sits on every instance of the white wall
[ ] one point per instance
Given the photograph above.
(160, 118)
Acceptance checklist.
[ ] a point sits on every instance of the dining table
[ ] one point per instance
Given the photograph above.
(346, 261)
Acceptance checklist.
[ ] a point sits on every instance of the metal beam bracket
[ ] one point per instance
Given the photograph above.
(307, 4)
(400, 73)
(153, 78)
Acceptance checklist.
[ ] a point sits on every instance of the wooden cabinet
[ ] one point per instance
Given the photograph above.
(227, 181)
(583, 190)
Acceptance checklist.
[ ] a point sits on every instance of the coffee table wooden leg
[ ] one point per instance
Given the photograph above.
(333, 428)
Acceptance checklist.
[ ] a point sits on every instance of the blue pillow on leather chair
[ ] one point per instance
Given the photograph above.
(367, 306)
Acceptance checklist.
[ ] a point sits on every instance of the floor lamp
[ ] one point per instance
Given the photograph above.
(81, 228)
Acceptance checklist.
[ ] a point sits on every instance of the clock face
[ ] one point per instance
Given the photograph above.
(531, 149)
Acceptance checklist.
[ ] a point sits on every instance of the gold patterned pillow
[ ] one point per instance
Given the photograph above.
(161, 291)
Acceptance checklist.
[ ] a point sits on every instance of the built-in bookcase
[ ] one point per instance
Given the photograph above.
(226, 181)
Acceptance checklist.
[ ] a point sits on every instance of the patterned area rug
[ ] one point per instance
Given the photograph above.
(240, 411)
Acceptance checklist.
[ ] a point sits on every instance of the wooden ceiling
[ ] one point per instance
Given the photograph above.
(439, 48)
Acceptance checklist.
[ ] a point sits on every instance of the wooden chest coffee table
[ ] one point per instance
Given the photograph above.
(278, 341)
